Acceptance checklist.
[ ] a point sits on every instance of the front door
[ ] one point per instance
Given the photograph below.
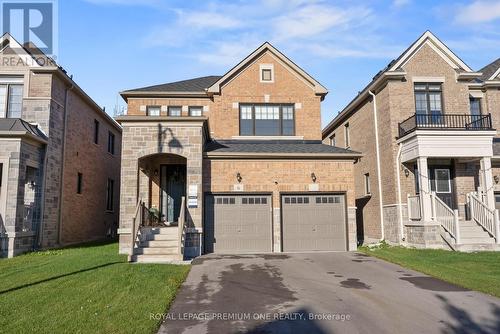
(172, 188)
(441, 180)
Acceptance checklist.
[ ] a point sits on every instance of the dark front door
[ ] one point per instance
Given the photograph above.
(172, 188)
(441, 179)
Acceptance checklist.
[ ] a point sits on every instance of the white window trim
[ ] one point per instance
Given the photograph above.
(436, 180)
(428, 79)
(266, 67)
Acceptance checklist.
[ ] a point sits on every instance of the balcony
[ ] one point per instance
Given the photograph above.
(444, 122)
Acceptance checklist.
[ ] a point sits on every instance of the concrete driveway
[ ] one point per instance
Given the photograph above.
(323, 293)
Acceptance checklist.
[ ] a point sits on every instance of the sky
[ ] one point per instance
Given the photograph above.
(113, 45)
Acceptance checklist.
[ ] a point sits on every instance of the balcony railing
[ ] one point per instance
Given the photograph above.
(444, 121)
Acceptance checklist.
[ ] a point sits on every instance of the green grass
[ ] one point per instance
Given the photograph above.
(476, 271)
(86, 289)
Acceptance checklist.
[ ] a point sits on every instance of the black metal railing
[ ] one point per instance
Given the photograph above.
(444, 121)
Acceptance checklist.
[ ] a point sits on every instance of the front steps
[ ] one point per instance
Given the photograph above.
(473, 238)
(157, 245)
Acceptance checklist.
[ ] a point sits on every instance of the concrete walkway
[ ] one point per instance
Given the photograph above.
(323, 293)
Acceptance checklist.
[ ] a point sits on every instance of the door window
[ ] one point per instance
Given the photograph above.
(442, 180)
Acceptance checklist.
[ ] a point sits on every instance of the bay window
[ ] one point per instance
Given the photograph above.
(267, 120)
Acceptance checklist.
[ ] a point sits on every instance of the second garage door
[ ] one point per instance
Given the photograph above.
(238, 224)
(313, 223)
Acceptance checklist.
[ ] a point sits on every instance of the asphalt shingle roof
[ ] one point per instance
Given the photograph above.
(274, 146)
(489, 69)
(190, 85)
(17, 124)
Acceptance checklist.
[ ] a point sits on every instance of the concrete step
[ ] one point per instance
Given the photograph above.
(158, 243)
(477, 247)
(164, 237)
(156, 251)
(476, 240)
(473, 233)
(167, 259)
(171, 230)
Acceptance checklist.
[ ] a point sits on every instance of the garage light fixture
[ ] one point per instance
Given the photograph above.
(238, 177)
(313, 177)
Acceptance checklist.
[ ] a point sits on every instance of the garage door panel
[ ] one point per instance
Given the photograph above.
(239, 223)
(313, 222)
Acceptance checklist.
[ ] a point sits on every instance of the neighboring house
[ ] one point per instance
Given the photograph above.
(59, 156)
(245, 151)
(425, 125)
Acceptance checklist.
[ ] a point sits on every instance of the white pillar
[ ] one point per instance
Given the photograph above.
(488, 182)
(425, 192)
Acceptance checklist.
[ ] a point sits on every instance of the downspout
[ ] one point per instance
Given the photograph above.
(400, 204)
(61, 191)
(42, 199)
(379, 178)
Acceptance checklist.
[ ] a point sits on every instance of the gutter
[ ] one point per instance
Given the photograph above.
(379, 179)
(256, 155)
(61, 192)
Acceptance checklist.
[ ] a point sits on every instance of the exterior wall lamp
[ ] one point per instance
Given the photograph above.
(313, 177)
(496, 178)
(238, 177)
(407, 172)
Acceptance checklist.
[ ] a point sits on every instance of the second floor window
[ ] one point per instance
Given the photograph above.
(11, 100)
(79, 183)
(174, 111)
(267, 120)
(347, 135)
(111, 143)
(368, 190)
(96, 131)
(475, 106)
(332, 140)
(153, 111)
(195, 111)
(428, 97)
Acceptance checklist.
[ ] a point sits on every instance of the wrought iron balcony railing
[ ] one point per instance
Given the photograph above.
(444, 122)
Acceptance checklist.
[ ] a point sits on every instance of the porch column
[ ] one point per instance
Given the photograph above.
(487, 176)
(425, 192)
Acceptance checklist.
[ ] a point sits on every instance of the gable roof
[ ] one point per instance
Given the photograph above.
(317, 87)
(198, 85)
(490, 71)
(395, 70)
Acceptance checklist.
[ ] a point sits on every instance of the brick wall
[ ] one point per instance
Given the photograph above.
(84, 216)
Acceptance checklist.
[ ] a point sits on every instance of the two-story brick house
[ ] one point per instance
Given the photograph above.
(425, 125)
(244, 149)
(59, 156)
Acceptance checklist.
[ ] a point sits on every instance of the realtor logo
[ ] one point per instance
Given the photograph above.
(31, 21)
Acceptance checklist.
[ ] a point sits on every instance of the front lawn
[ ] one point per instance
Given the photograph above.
(476, 271)
(87, 289)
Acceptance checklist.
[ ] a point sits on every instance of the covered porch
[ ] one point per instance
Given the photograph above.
(449, 188)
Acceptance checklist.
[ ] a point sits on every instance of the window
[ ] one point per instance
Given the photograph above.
(475, 106)
(347, 135)
(195, 111)
(174, 111)
(110, 192)
(111, 142)
(11, 100)
(267, 120)
(442, 179)
(428, 99)
(79, 183)
(1, 171)
(267, 74)
(96, 131)
(153, 110)
(332, 140)
(367, 184)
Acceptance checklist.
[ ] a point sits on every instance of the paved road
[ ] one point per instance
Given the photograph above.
(323, 293)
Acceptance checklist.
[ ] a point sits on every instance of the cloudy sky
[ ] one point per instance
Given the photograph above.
(113, 45)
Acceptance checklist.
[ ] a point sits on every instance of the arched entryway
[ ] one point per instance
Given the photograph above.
(162, 184)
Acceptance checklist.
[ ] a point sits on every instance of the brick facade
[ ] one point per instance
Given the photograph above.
(66, 115)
